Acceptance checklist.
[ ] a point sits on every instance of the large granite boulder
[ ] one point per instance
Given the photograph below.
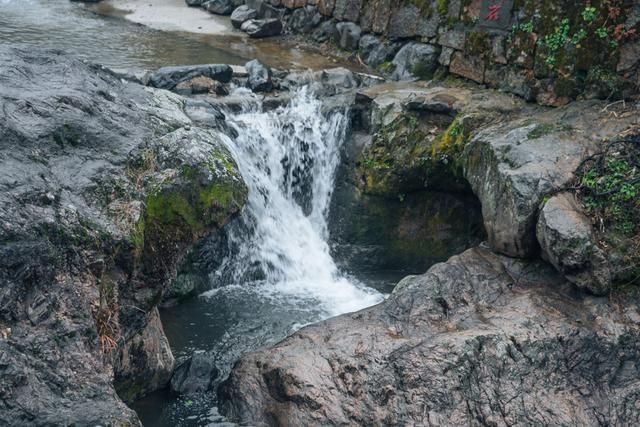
(482, 339)
(105, 185)
(568, 242)
(513, 166)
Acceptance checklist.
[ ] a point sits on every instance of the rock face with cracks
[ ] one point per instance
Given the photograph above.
(479, 340)
(104, 186)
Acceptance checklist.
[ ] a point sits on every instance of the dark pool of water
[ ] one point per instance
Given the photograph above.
(228, 323)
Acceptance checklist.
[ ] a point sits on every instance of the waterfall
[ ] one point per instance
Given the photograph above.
(288, 157)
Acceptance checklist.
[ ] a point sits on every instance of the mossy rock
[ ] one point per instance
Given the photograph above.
(573, 38)
(410, 154)
(197, 190)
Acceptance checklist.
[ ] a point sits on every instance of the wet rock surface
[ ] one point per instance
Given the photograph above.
(105, 184)
(259, 28)
(170, 77)
(481, 339)
(513, 166)
(241, 14)
(259, 79)
(145, 363)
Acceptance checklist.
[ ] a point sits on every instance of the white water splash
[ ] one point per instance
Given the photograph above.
(288, 157)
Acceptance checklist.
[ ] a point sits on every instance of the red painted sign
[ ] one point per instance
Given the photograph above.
(494, 11)
(496, 14)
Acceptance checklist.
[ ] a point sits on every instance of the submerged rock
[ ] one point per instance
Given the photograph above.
(105, 185)
(197, 374)
(481, 339)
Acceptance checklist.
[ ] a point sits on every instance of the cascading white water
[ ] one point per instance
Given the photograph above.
(288, 157)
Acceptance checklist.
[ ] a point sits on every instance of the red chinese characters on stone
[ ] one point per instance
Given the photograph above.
(494, 12)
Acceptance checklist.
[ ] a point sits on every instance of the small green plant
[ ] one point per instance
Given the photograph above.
(579, 36)
(387, 67)
(602, 32)
(610, 186)
(556, 40)
(525, 27)
(589, 14)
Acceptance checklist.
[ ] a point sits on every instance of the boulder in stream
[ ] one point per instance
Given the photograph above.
(259, 79)
(169, 77)
(260, 28)
(241, 14)
(219, 7)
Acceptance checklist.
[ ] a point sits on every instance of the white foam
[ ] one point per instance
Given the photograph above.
(273, 150)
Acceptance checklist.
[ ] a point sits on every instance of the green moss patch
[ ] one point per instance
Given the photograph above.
(543, 129)
(407, 155)
(197, 208)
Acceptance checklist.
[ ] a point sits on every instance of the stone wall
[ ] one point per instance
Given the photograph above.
(545, 51)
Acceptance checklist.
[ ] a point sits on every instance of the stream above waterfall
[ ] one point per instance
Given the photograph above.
(99, 33)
